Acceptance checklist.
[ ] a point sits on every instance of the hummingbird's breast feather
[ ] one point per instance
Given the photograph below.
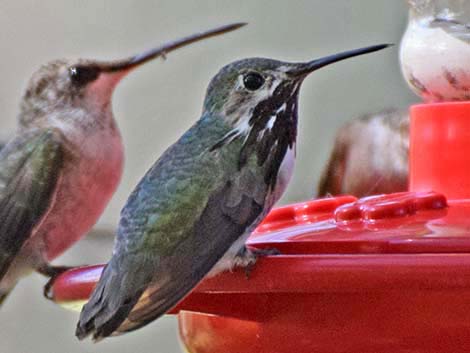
(285, 173)
(91, 174)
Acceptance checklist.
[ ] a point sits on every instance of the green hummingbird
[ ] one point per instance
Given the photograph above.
(59, 171)
(193, 210)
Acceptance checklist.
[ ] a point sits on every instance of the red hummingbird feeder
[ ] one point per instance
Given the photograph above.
(387, 273)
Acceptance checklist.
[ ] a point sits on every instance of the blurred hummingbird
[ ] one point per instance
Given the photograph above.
(369, 156)
(64, 164)
(193, 210)
(435, 49)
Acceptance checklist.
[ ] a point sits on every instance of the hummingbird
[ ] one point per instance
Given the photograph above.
(435, 50)
(61, 168)
(369, 156)
(191, 213)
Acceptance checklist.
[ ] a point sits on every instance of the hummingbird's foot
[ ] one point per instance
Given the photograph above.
(52, 272)
(47, 290)
(246, 258)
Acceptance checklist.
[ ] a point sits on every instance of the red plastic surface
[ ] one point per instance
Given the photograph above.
(389, 273)
(440, 148)
(399, 284)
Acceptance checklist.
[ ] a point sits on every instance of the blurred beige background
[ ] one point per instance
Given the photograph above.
(157, 103)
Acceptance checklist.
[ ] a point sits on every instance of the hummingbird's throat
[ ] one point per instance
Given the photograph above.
(268, 132)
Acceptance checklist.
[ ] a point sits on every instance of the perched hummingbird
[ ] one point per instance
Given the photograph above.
(62, 167)
(369, 156)
(435, 49)
(193, 210)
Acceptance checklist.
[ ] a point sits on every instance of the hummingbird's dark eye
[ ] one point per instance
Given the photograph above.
(253, 81)
(81, 75)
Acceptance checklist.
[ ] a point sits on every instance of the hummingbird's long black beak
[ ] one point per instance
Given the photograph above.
(303, 69)
(139, 59)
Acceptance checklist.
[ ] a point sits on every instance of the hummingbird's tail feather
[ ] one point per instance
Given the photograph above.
(156, 301)
(111, 301)
(114, 310)
(108, 306)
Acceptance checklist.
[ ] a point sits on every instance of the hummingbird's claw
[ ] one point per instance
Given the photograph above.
(247, 258)
(53, 272)
(47, 290)
(248, 269)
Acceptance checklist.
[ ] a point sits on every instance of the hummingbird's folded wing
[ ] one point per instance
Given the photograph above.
(29, 169)
(227, 216)
(184, 240)
(453, 27)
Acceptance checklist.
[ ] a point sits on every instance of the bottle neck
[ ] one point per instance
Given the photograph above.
(440, 149)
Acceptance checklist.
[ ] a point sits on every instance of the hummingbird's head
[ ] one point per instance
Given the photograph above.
(257, 88)
(74, 90)
(242, 85)
(257, 99)
(61, 88)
